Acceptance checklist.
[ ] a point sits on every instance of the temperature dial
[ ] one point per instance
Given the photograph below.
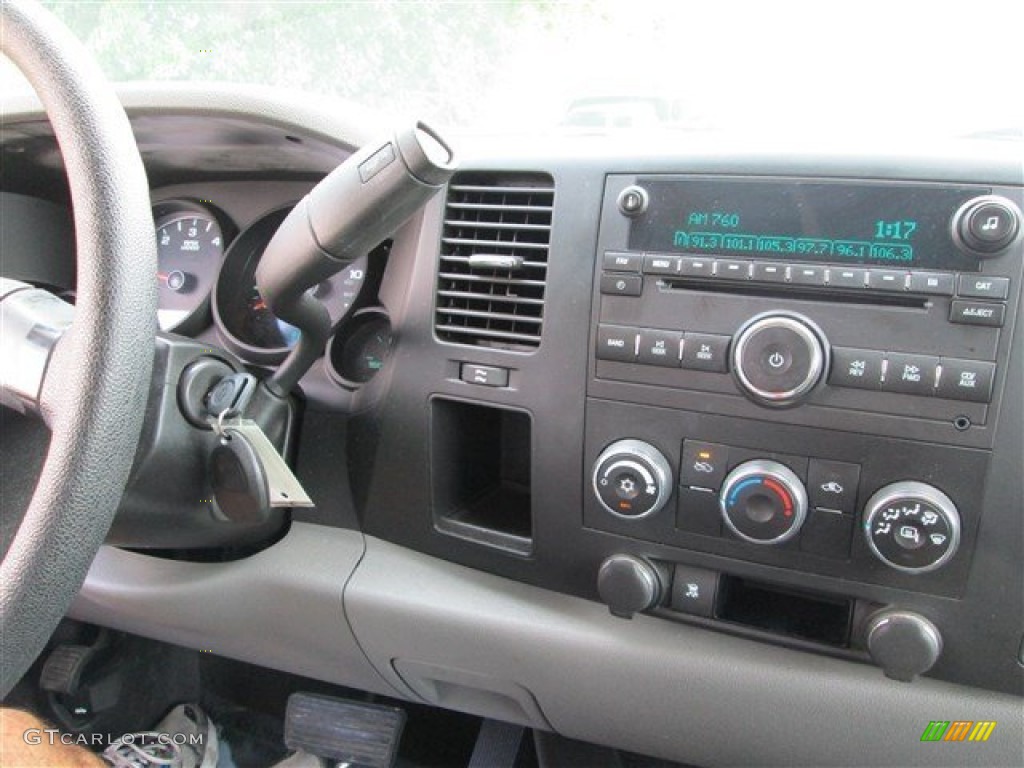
(632, 479)
(763, 502)
(912, 527)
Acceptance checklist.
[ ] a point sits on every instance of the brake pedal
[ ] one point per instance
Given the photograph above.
(359, 735)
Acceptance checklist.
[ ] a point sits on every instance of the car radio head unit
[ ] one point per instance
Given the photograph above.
(899, 225)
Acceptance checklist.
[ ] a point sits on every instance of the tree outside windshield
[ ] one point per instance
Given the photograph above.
(837, 68)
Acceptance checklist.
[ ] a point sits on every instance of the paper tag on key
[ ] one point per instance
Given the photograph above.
(284, 489)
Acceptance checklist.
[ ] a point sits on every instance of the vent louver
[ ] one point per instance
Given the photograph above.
(494, 259)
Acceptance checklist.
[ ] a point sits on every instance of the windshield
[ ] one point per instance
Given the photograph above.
(923, 69)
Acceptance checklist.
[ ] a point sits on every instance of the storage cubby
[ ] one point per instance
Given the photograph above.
(480, 472)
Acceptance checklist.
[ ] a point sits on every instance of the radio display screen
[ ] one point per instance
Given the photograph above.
(884, 225)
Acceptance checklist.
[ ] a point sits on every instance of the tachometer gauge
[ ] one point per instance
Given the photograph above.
(190, 248)
(244, 322)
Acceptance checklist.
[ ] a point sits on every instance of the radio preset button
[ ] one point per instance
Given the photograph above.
(977, 313)
(705, 352)
(778, 359)
(660, 348)
(969, 380)
(730, 269)
(910, 374)
(656, 264)
(887, 280)
(859, 368)
(847, 277)
(807, 275)
(622, 261)
(769, 273)
(931, 283)
(616, 343)
(981, 287)
(696, 266)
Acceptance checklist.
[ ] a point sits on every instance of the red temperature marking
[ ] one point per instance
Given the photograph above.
(787, 502)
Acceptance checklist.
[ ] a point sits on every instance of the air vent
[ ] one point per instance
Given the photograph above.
(494, 259)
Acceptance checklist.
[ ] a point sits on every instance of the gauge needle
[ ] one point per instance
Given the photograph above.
(161, 276)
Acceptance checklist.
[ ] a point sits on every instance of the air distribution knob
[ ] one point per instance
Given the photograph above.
(763, 502)
(628, 584)
(632, 479)
(903, 644)
(912, 527)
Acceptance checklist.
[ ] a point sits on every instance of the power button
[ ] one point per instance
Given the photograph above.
(778, 358)
(633, 201)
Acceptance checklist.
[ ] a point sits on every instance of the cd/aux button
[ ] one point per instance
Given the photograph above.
(969, 380)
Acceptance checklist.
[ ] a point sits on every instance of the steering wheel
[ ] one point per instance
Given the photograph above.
(95, 388)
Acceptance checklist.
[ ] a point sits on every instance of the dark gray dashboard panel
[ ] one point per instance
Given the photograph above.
(674, 691)
(281, 608)
(395, 439)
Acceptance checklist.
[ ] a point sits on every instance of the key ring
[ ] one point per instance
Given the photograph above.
(218, 426)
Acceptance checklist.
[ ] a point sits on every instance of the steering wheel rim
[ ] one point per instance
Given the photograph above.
(95, 391)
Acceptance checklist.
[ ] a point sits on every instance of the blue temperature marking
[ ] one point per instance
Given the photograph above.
(741, 486)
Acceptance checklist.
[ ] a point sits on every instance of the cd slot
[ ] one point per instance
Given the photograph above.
(795, 292)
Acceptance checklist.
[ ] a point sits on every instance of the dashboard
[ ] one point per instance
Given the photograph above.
(626, 444)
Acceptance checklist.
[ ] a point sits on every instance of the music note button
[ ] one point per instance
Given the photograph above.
(989, 224)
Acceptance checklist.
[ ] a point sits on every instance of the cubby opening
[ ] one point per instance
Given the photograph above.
(817, 618)
(480, 469)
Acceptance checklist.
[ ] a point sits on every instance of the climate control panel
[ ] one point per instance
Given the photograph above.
(859, 508)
